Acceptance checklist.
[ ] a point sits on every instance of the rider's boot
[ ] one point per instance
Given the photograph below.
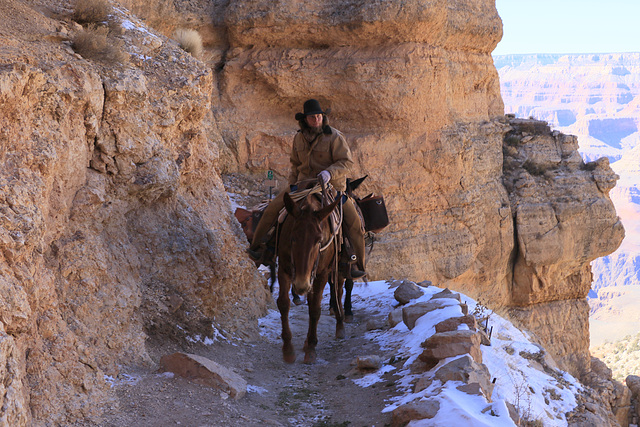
(355, 256)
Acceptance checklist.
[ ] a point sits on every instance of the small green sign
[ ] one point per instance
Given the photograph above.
(269, 174)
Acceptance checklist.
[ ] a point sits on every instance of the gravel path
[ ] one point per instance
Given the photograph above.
(322, 394)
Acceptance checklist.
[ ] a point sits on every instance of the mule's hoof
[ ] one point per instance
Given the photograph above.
(298, 301)
(332, 312)
(289, 357)
(288, 353)
(348, 318)
(310, 357)
(340, 333)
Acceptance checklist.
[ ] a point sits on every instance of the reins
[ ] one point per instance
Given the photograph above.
(325, 200)
(336, 253)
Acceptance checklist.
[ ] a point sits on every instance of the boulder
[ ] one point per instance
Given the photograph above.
(484, 338)
(412, 313)
(416, 410)
(395, 317)
(407, 291)
(468, 371)
(206, 372)
(633, 382)
(370, 362)
(600, 368)
(447, 294)
(472, 388)
(423, 382)
(454, 343)
(452, 323)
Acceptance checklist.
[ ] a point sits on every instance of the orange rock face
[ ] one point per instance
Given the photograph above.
(412, 86)
(116, 231)
(414, 89)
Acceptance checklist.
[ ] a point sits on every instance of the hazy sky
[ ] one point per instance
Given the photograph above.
(569, 26)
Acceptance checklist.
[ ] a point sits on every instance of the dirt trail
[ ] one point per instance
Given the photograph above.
(322, 394)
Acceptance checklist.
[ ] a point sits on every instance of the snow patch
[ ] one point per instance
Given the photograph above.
(256, 389)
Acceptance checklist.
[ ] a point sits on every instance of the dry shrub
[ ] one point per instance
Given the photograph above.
(190, 41)
(92, 11)
(95, 43)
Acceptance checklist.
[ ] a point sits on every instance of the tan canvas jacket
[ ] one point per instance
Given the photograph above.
(327, 152)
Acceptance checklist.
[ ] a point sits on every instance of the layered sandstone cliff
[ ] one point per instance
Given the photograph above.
(563, 219)
(413, 87)
(116, 229)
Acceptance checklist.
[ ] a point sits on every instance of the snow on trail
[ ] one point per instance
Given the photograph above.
(538, 392)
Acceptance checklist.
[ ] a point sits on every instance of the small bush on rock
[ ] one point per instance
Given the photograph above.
(190, 41)
(533, 168)
(95, 43)
(92, 11)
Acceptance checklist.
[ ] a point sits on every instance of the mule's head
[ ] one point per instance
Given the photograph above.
(310, 230)
(248, 221)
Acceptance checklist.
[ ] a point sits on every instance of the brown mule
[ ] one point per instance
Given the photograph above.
(306, 255)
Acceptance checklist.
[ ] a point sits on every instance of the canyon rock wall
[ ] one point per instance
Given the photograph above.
(115, 230)
(413, 88)
(115, 223)
(597, 98)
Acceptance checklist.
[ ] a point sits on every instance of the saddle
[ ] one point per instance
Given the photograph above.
(371, 210)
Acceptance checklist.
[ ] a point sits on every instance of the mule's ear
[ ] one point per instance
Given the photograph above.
(323, 213)
(242, 214)
(290, 205)
(356, 182)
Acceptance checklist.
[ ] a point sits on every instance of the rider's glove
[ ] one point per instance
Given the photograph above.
(324, 176)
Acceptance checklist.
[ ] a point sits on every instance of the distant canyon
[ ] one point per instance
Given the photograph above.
(597, 98)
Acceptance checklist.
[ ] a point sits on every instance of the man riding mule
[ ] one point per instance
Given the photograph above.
(318, 152)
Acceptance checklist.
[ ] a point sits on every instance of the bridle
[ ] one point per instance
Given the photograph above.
(335, 231)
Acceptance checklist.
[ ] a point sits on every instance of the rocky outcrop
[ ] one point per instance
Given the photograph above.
(449, 355)
(563, 220)
(116, 231)
(595, 97)
(414, 106)
(414, 89)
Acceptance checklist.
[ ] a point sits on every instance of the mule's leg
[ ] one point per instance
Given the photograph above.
(288, 353)
(332, 299)
(314, 300)
(272, 275)
(348, 313)
(339, 308)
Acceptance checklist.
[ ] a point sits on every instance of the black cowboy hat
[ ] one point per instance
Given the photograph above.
(309, 108)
